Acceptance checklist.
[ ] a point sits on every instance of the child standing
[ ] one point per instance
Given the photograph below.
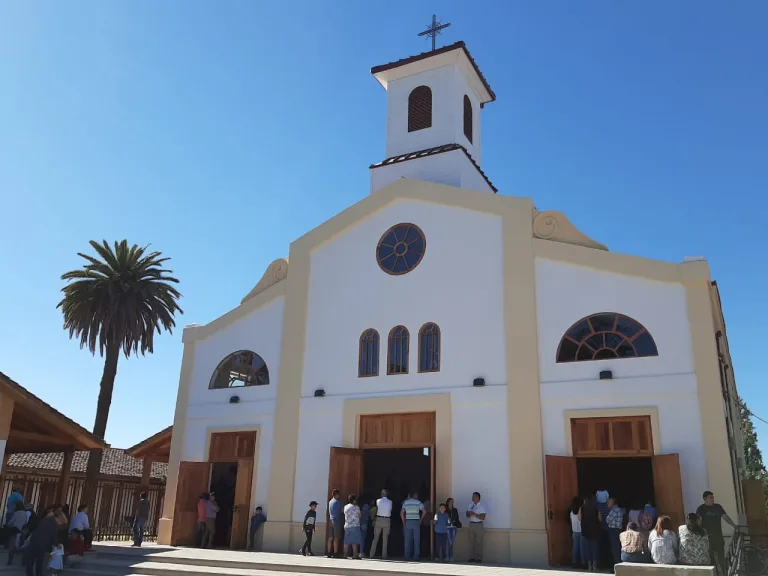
(441, 533)
(309, 529)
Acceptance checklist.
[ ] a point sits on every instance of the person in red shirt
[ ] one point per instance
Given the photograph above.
(201, 519)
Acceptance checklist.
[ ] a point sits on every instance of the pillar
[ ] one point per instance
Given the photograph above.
(146, 478)
(63, 487)
(6, 413)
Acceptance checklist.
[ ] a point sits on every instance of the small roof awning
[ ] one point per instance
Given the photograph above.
(37, 427)
(157, 447)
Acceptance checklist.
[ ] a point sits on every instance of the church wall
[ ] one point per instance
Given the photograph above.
(566, 293)
(460, 89)
(478, 454)
(674, 397)
(260, 332)
(457, 285)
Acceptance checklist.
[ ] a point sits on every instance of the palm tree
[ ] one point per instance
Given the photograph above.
(115, 303)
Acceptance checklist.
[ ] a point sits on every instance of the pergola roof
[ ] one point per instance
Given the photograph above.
(38, 427)
(157, 447)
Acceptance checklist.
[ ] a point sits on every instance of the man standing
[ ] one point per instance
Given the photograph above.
(476, 514)
(211, 509)
(412, 513)
(711, 514)
(257, 520)
(615, 522)
(335, 524)
(140, 519)
(41, 542)
(382, 524)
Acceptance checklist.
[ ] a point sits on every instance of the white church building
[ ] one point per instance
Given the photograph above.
(442, 336)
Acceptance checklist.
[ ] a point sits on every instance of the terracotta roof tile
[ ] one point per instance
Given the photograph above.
(431, 152)
(115, 462)
(444, 49)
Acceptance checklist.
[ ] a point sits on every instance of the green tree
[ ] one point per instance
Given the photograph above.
(753, 458)
(115, 303)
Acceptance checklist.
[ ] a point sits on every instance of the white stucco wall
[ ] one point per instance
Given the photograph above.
(566, 293)
(349, 293)
(479, 455)
(451, 168)
(448, 86)
(210, 411)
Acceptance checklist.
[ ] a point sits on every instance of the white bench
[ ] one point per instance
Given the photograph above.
(636, 569)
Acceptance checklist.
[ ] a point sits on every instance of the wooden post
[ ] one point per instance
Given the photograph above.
(146, 477)
(63, 488)
(6, 414)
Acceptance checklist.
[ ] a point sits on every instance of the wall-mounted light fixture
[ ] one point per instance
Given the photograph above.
(606, 375)
(319, 393)
(479, 382)
(234, 399)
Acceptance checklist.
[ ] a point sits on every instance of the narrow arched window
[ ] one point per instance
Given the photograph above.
(603, 336)
(397, 350)
(467, 118)
(368, 363)
(243, 368)
(420, 108)
(429, 348)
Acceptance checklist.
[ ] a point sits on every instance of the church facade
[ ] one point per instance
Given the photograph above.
(436, 314)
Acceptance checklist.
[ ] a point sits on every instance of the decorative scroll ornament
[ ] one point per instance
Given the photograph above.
(555, 226)
(276, 272)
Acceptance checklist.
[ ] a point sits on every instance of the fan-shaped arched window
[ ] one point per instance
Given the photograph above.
(243, 368)
(368, 363)
(397, 350)
(420, 108)
(429, 348)
(606, 335)
(467, 118)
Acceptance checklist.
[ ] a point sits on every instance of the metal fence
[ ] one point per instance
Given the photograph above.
(111, 515)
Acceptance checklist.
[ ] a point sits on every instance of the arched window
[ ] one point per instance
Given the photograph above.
(420, 108)
(429, 348)
(368, 363)
(397, 350)
(243, 368)
(467, 118)
(606, 335)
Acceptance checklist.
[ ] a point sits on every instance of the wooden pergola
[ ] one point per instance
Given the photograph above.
(29, 425)
(156, 448)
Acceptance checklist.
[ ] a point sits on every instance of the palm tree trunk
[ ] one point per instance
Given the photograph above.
(100, 425)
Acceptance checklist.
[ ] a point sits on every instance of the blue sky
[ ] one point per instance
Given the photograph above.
(221, 131)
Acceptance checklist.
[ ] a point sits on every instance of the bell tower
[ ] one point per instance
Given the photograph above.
(434, 104)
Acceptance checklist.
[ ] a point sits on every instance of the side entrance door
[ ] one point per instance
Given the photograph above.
(562, 484)
(345, 473)
(193, 481)
(668, 487)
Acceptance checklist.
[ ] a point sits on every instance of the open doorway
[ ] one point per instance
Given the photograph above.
(629, 480)
(399, 471)
(223, 482)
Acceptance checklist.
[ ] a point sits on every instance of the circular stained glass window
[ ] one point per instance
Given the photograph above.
(401, 248)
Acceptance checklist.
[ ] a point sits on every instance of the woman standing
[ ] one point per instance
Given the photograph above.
(590, 520)
(663, 542)
(577, 556)
(694, 543)
(352, 534)
(454, 523)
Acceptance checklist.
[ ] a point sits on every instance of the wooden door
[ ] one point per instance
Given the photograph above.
(610, 437)
(668, 487)
(231, 446)
(242, 508)
(562, 486)
(345, 473)
(193, 481)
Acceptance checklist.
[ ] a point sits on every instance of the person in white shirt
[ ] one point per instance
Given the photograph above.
(81, 526)
(383, 523)
(476, 514)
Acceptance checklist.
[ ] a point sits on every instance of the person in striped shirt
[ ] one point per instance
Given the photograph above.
(412, 513)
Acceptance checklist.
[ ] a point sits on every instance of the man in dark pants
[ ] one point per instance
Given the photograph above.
(41, 542)
(711, 515)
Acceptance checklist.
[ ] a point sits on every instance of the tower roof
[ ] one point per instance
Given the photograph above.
(455, 53)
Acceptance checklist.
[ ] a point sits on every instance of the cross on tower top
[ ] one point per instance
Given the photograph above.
(434, 29)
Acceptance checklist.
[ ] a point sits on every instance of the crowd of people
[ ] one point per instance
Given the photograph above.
(54, 532)
(350, 524)
(601, 529)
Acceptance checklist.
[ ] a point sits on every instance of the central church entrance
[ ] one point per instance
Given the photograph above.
(397, 454)
(614, 454)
